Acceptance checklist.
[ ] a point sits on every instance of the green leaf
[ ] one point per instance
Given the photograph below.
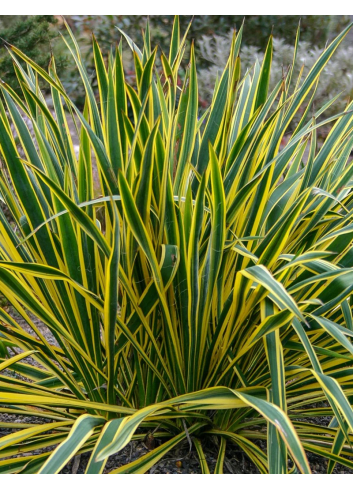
(80, 432)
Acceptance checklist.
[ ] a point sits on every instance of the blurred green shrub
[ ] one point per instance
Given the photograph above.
(30, 33)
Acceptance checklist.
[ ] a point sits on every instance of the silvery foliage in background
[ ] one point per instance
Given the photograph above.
(336, 77)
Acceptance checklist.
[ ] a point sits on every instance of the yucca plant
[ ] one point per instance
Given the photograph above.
(205, 293)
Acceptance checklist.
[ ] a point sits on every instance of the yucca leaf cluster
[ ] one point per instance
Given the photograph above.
(203, 292)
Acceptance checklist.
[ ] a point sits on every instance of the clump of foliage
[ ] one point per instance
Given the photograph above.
(205, 293)
(32, 34)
